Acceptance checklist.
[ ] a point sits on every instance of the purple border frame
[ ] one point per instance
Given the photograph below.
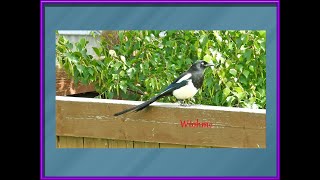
(43, 2)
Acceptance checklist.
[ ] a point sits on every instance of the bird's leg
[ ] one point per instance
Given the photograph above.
(190, 102)
(181, 102)
(186, 102)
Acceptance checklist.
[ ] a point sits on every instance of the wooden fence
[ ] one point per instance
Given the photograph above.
(66, 86)
(89, 123)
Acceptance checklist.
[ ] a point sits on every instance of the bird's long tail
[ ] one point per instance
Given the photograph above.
(141, 106)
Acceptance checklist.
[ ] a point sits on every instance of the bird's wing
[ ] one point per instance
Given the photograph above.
(183, 76)
(173, 87)
(181, 81)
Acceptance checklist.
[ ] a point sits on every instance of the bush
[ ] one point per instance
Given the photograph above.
(139, 64)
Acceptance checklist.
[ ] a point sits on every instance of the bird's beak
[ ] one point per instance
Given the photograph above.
(209, 64)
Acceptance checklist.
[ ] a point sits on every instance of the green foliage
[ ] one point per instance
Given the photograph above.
(141, 63)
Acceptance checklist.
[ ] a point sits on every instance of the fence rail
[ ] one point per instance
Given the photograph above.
(89, 122)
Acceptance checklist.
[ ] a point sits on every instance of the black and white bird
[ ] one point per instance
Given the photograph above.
(184, 87)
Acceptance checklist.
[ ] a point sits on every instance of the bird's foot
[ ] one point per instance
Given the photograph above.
(181, 103)
(186, 103)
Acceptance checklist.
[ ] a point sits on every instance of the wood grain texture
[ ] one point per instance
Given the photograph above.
(95, 143)
(160, 123)
(70, 142)
(193, 146)
(120, 144)
(137, 144)
(57, 141)
(166, 145)
(66, 86)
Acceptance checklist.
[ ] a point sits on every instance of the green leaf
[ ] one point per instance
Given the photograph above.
(110, 95)
(252, 99)
(239, 67)
(228, 63)
(80, 68)
(148, 38)
(262, 33)
(244, 38)
(247, 54)
(226, 92)
(91, 71)
(246, 73)
(222, 74)
(199, 52)
(207, 58)
(69, 46)
(97, 51)
(152, 82)
(230, 46)
(240, 95)
(233, 72)
(243, 80)
(251, 68)
(216, 98)
(100, 63)
(83, 42)
(239, 43)
(123, 87)
(230, 99)
(85, 73)
(188, 61)
(72, 58)
(203, 40)
(229, 84)
(238, 89)
(84, 81)
(78, 46)
(117, 65)
(130, 72)
(122, 73)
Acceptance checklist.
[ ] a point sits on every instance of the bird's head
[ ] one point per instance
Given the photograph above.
(200, 65)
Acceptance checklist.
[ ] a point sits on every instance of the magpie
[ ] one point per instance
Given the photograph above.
(184, 87)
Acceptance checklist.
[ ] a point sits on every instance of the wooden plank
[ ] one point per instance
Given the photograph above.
(138, 144)
(151, 145)
(193, 146)
(165, 145)
(95, 143)
(160, 123)
(120, 144)
(57, 141)
(117, 144)
(129, 144)
(70, 142)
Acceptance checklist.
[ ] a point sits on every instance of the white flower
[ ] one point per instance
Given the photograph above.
(254, 106)
(123, 58)
(219, 55)
(152, 36)
(216, 33)
(162, 34)
(112, 53)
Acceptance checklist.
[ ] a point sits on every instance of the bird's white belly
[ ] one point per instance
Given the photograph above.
(185, 92)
